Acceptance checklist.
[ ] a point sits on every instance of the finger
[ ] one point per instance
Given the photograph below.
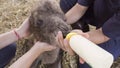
(66, 45)
(57, 39)
(68, 48)
(60, 40)
(81, 61)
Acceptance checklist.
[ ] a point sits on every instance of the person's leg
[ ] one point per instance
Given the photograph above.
(112, 46)
(66, 5)
(6, 54)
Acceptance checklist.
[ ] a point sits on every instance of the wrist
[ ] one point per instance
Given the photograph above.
(34, 52)
(36, 49)
(16, 34)
(20, 33)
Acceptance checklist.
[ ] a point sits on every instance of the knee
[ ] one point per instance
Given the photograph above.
(9, 51)
(6, 54)
(12, 48)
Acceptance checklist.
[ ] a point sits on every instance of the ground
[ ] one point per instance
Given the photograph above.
(12, 14)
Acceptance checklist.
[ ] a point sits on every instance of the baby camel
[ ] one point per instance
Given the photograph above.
(45, 21)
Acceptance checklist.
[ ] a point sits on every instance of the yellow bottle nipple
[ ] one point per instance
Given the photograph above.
(70, 35)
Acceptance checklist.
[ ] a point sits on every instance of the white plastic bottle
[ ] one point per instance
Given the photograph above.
(95, 56)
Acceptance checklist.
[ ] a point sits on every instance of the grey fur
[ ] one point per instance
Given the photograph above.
(45, 22)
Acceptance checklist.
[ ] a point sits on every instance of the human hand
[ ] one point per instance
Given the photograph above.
(80, 32)
(65, 45)
(23, 29)
(42, 46)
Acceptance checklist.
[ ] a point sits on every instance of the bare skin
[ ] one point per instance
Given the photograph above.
(38, 48)
(10, 37)
(27, 59)
(72, 16)
(75, 13)
(95, 36)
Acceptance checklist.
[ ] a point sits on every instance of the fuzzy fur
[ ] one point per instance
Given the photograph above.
(45, 21)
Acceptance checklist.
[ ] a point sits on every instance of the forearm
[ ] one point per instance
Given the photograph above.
(10, 37)
(97, 36)
(7, 38)
(27, 59)
(75, 13)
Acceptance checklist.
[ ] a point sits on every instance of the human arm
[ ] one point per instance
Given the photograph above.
(78, 10)
(95, 36)
(10, 37)
(27, 59)
(75, 13)
(109, 30)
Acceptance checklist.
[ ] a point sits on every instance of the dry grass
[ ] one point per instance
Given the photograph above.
(12, 14)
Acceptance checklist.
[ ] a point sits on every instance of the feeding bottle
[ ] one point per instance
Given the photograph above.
(91, 53)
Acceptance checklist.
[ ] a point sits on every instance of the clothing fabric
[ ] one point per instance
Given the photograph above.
(106, 15)
(6, 54)
(78, 25)
(103, 14)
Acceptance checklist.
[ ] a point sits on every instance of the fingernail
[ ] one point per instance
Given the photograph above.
(59, 32)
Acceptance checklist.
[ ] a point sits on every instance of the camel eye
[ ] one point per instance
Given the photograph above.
(39, 23)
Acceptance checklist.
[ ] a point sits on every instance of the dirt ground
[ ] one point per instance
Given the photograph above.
(12, 14)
